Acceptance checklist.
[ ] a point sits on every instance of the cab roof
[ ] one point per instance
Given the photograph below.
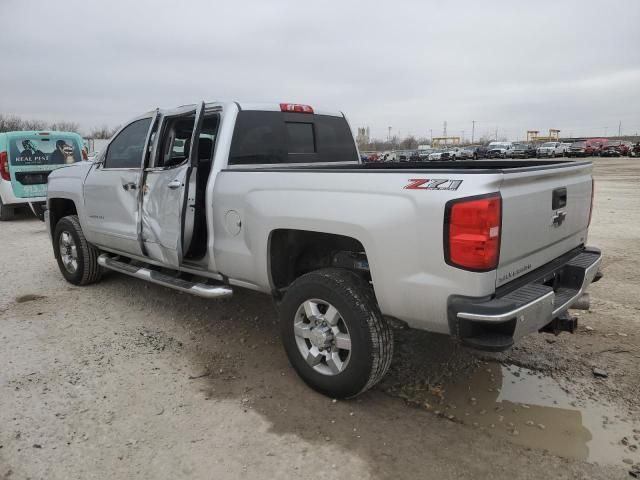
(253, 106)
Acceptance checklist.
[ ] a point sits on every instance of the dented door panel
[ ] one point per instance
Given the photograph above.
(162, 214)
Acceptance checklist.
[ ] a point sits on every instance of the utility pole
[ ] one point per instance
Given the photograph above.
(389, 135)
(619, 128)
(431, 134)
(444, 130)
(496, 134)
(473, 130)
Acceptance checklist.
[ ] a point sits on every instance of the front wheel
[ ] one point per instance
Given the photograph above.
(334, 334)
(77, 258)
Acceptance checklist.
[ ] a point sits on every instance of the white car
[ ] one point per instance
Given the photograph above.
(457, 153)
(550, 149)
(438, 155)
(499, 149)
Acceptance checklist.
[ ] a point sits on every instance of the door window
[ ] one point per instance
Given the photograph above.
(174, 145)
(125, 151)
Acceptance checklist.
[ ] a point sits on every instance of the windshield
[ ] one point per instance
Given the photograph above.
(519, 146)
(549, 144)
(579, 144)
(53, 149)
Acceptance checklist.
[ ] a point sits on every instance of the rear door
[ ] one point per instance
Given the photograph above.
(33, 155)
(111, 189)
(167, 185)
(545, 214)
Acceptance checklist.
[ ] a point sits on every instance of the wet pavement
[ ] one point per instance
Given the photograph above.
(534, 410)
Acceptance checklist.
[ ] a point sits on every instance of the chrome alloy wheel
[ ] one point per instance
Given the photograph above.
(68, 252)
(322, 337)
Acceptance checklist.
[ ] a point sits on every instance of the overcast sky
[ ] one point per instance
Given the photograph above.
(510, 65)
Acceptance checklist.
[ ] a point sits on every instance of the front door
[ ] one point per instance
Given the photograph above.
(111, 190)
(166, 187)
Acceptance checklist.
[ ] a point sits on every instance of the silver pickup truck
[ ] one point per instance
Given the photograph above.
(273, 197)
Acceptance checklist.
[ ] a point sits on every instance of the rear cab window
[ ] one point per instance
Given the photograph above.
(33, 155)
(55, 149)
(267, 137)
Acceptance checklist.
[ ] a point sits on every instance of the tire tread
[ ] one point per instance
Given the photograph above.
(380, 333)
(92, 272)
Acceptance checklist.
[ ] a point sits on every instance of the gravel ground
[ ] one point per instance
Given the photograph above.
(129, 380)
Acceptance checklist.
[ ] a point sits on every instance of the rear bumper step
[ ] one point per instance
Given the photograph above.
(147, 273)
(495, 324)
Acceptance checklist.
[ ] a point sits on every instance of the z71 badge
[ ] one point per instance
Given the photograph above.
(432, 184)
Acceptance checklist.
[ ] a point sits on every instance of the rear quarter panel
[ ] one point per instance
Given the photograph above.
(401, 230)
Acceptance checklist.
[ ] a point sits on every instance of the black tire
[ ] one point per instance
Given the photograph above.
(6, 213)
(87, 271)
(371, 337)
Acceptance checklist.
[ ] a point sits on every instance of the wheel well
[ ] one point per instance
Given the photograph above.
(58, 208)
(293, 253)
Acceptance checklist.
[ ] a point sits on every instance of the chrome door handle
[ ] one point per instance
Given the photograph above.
(174, 184)
(129, 186)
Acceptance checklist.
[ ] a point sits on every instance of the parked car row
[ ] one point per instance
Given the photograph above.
(583, 148)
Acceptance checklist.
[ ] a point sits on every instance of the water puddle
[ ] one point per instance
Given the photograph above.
(535, 411)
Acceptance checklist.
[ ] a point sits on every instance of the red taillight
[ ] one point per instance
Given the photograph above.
(85, 157)
(296, 108)
(4, 166)
(593, 189)
(472, 232)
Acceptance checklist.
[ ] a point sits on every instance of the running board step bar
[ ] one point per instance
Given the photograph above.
(145, 273)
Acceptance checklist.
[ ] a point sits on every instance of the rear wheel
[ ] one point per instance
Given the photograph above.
(334, 334)
(6, 213)
(77, 258)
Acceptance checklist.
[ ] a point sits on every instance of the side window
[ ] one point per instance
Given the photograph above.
(125, 151)
(174, 144)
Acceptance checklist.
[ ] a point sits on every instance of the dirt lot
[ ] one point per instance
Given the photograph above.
(129, 380)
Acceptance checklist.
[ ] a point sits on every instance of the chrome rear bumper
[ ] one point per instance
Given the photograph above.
(495, 324)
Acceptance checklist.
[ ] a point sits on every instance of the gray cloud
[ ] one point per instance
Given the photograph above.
(573, 65)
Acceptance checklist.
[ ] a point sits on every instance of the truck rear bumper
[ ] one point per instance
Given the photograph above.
(522, 308)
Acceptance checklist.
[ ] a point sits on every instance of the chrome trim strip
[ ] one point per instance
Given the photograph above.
(507, 315)
(589, 274)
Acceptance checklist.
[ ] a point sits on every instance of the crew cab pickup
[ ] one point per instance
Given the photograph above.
(273, 197)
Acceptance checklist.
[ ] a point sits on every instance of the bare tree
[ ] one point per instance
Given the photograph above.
(34, 125)
(409, 143)
(103, 132)
(65, 126)
(10, 123)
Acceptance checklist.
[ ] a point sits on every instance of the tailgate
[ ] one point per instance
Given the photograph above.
(30, 181)
(545, 214)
